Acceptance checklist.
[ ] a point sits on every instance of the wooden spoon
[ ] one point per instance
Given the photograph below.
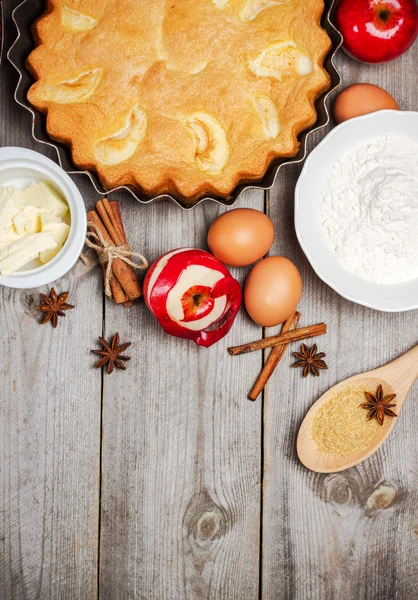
(397, 377)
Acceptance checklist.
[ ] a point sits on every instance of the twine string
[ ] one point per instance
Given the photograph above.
(107, 253)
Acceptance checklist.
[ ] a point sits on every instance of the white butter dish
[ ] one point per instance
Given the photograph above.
(20, 167)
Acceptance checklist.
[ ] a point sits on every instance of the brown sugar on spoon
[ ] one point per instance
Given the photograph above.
(341, 426)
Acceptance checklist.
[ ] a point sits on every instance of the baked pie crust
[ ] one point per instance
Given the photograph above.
(183, 97)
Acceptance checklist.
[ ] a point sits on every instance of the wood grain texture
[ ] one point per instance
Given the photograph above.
(352, 534)
(180, 466)
(181, 445)
(49, 423)
(49, 447)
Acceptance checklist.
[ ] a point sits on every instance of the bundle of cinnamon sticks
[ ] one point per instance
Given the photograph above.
(122, 280)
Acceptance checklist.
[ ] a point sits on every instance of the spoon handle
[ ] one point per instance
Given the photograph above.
(404, 370)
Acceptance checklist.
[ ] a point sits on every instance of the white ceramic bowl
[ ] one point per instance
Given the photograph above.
(389, 298)
(22, 167)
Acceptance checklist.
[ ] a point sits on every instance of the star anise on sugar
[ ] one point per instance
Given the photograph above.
(310, 360)
(54, 306)
(379, 405)
(112, 354)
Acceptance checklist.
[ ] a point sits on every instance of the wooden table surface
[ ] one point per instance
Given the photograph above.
(164, 482)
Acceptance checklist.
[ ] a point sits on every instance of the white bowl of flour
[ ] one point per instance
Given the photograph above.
(356, 210)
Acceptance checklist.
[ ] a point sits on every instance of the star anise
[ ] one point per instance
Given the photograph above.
(310, 360)
(112, 354)
(379, 405)
(53, 306)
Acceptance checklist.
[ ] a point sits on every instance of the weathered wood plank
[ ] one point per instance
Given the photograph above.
(181, 446)
(328, 536)
(50, 442)
(49, 423)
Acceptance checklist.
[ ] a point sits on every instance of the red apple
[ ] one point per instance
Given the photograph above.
(376, 31)
(193, 295)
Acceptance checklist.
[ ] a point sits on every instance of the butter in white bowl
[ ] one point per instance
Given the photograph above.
(34, 226)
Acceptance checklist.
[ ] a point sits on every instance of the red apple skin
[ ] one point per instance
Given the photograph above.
(197, 301)
(377, 31)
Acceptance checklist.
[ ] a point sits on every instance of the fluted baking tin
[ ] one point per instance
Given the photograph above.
(28, 11)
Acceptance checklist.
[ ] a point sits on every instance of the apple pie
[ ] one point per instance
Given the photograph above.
(180, 97)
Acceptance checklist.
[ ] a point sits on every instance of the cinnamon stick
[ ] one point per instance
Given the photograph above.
(280, 339)
(118, 294)
(129, 303)
(118, 217)
(108, 223)
(115, 216)
(273, 360)
(114, 207)
(125, 273)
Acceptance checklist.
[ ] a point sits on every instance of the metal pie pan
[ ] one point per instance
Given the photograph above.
(26, 13)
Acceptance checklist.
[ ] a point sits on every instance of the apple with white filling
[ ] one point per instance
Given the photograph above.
(193, 295)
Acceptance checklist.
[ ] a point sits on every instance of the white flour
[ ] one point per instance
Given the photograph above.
(369, 209)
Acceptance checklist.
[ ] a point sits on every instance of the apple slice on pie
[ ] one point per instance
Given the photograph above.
(74, 90)
(220, 3)
(211, 144)
(122, 144)
(253, 7)
(281, 60)
(76, 21)
(267, 111)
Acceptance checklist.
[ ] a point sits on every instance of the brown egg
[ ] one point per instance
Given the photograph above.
(272, 291)
(241, 236)
(362, 99)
